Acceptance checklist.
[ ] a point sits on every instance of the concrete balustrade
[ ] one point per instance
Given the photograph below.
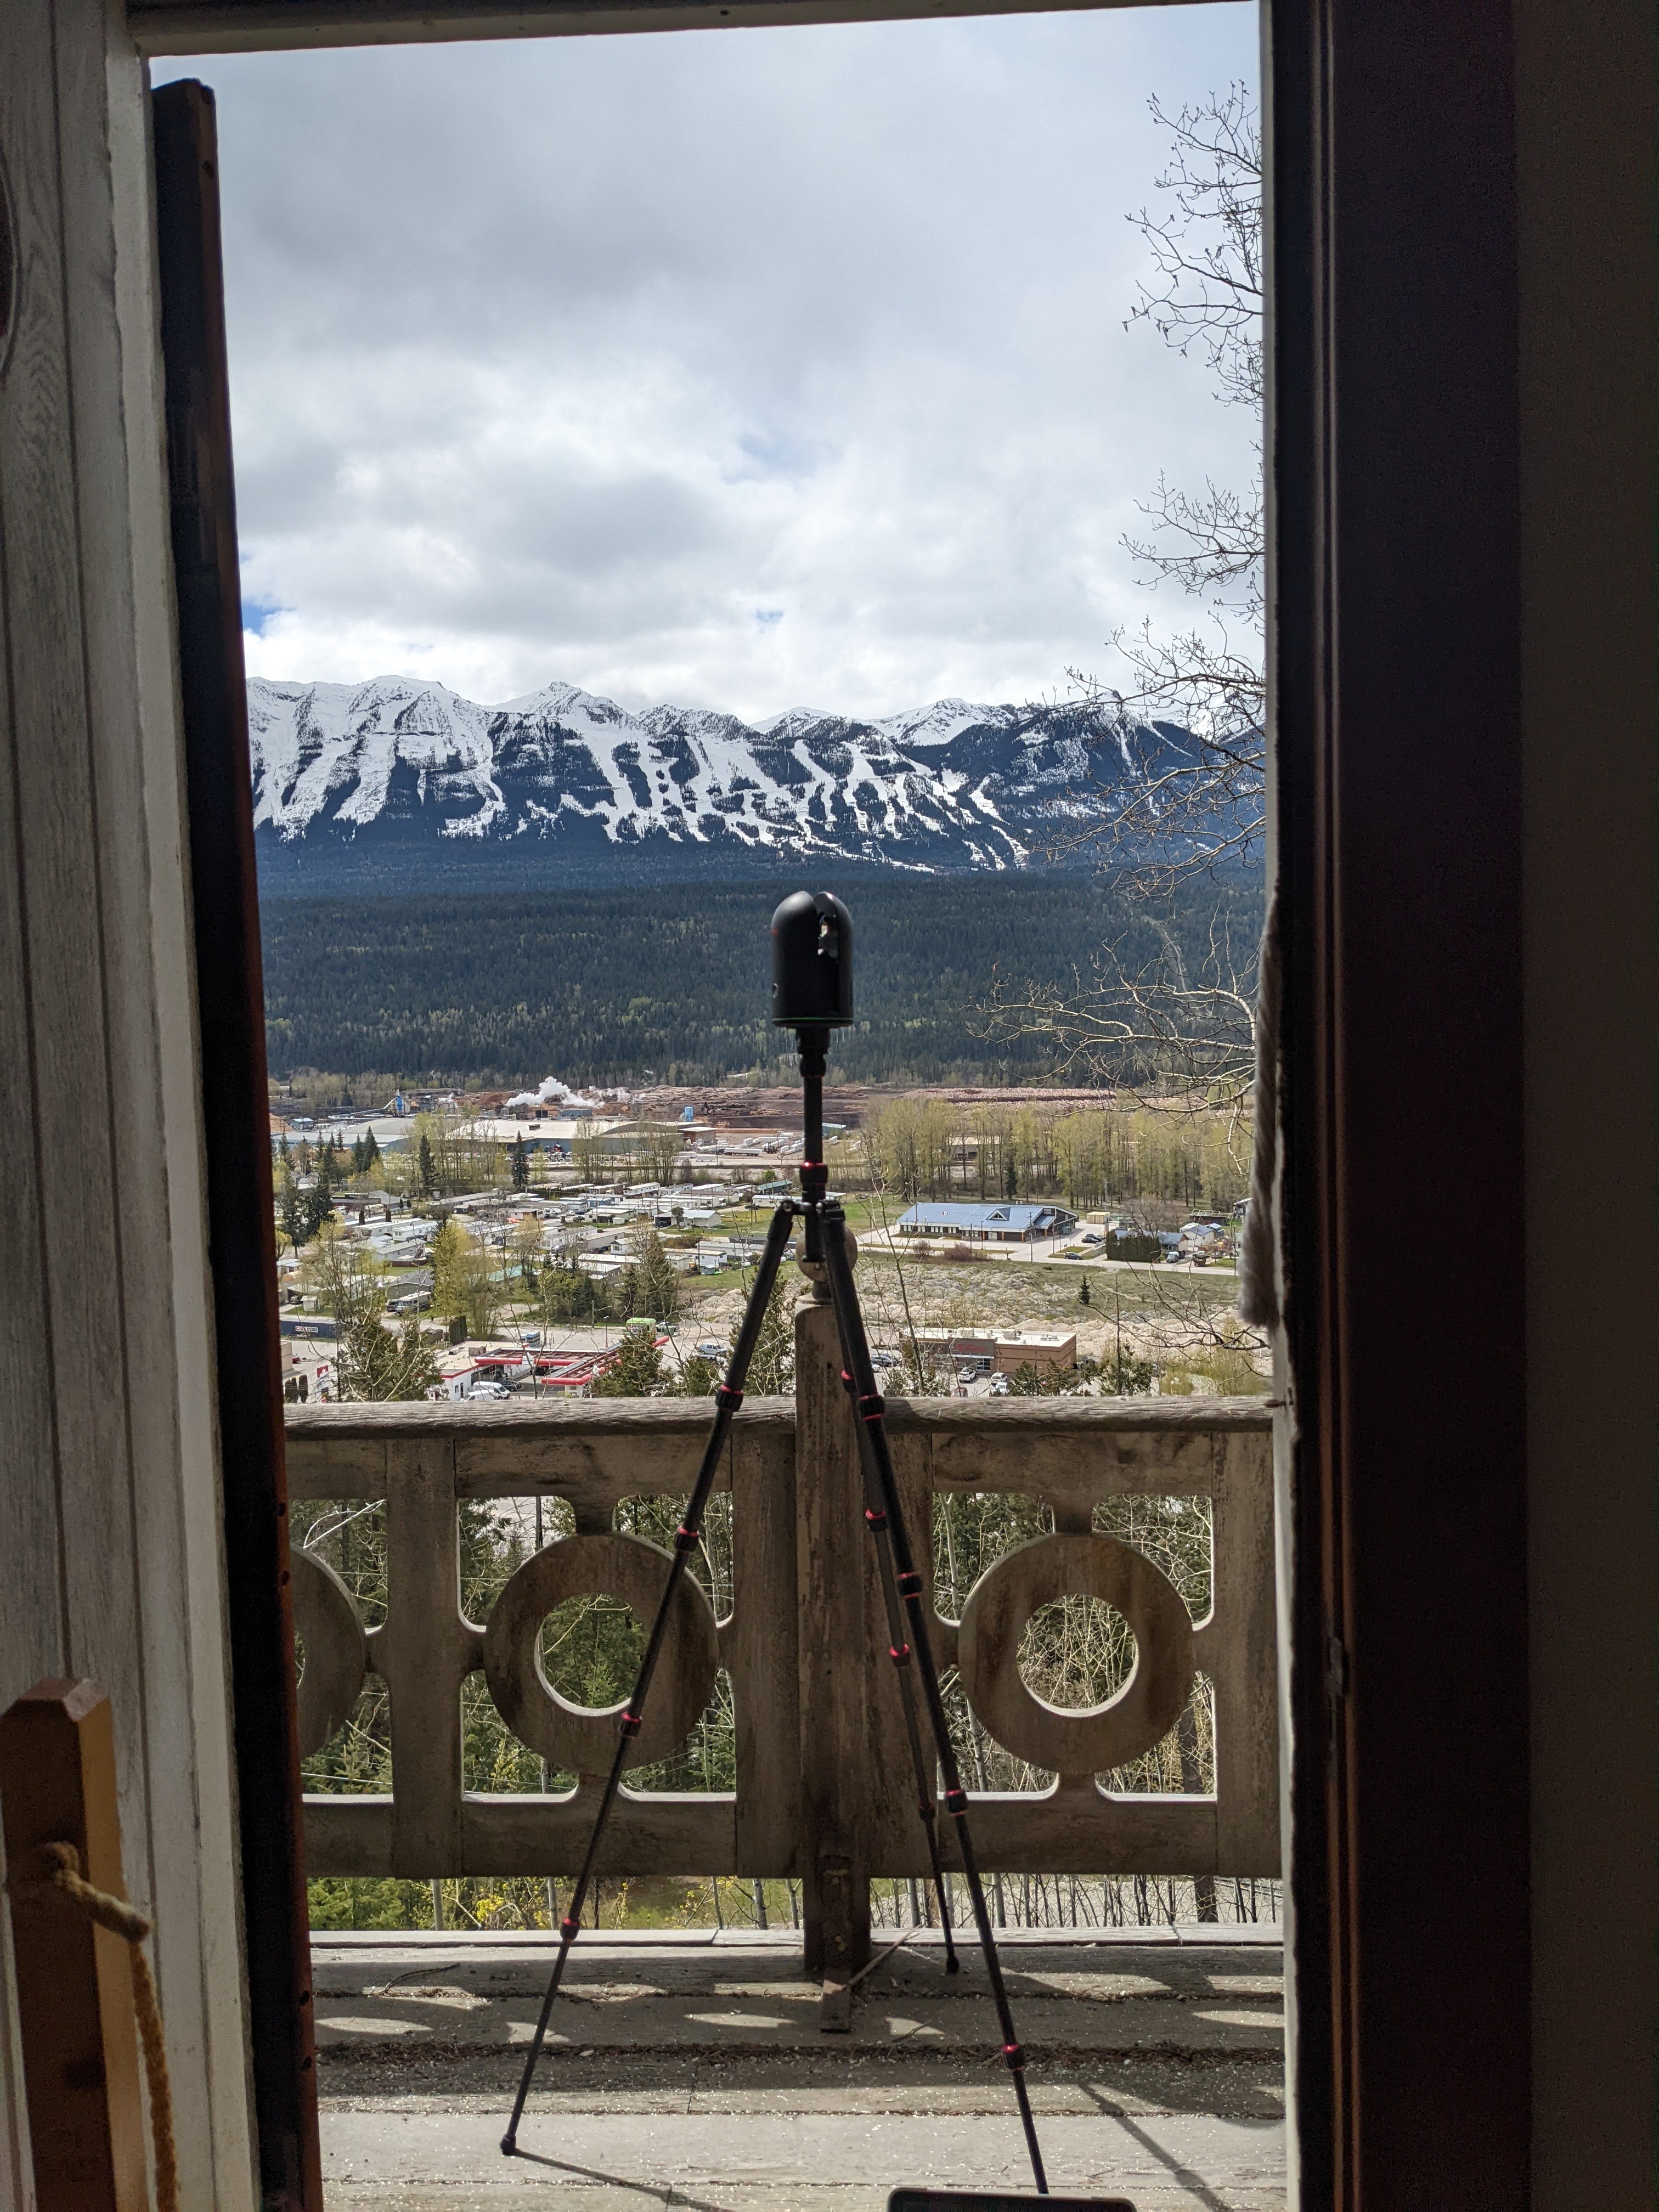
(824, 1790)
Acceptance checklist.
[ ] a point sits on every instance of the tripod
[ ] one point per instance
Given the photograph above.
(826, 1240)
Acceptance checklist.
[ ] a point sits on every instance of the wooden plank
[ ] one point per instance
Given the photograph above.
(195, 26)
(335, 1467)
(1394, 494)
(1096, 1419)
(762, 1647)
(423, 1650)
(76, 1252)
(73, 1980)
(529, 1836)
(1015, 1834)
(135, 1199)
(102, 1474)
(1241, 1661)
(895, 1818)
(842, 1904)
(349, 1835)
(1086, 1831)
(1587, 97)
(183, 1856)
(835, 1634)
(230, 1017)
(33, 1632)
(1036, 1419)
(1075, 1465)
(503, 1426)
(647, 1834)
(599, 1469)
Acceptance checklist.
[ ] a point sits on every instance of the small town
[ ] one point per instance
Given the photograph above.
(529, 1246)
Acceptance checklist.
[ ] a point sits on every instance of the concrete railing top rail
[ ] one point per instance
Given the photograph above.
(1072, 1417)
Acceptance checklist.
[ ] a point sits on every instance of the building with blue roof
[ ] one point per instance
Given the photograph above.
(1006, 1224)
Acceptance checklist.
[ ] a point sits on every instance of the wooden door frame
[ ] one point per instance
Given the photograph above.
(1394, 646)
(242, 1232)
(1393, 667)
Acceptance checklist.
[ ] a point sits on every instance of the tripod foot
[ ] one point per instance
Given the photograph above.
(953, 1964)
(510, 2145)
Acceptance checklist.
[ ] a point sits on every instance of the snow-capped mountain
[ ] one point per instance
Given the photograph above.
(396, 776)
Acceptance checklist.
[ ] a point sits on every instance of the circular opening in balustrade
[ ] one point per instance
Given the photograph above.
(562, 1644)
(1075, 1653)
(590, 1646)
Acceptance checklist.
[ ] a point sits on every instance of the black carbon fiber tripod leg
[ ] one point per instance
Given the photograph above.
(727, 1399)
(898, 1650)
(868, 1407)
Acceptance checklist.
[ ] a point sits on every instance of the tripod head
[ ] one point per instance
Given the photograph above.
(813, 994)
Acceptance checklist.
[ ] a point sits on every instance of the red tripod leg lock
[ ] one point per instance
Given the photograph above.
(569, 1929)
(899, 1654)
(1013, 2057)
(874, 1519)
(685, 1540)
(956, 1804)
(728, 1397)
(910, 1583)
(631, 1724)
(873, 1407)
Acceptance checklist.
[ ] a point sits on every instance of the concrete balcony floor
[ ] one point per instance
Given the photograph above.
(688, 2069)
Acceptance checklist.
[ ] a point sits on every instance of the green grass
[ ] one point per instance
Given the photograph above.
(373, 1902)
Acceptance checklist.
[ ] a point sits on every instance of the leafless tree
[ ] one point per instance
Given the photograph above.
(1172, 1032)
(1186, 722)
(1178, 793)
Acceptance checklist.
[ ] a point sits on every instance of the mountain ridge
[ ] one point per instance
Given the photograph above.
(396, 777)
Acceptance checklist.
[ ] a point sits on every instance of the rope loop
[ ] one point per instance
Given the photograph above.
(124, 1920)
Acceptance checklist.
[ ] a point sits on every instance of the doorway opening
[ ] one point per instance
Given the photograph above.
(1045, 1903)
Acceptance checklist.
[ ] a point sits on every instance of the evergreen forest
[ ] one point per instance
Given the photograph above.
(671, 981)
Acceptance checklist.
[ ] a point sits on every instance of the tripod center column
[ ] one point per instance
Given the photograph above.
(835, 1635)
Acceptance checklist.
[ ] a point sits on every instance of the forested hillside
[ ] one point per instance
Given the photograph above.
(601, 986)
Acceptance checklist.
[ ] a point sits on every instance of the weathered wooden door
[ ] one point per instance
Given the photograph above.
(230, 992)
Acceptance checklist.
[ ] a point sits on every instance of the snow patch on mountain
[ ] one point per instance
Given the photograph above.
(950, 785)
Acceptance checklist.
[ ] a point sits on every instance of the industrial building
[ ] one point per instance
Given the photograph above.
(988, 1225)
(556, 1137)
(1001, 1351)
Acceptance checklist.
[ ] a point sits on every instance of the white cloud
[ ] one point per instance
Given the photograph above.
(738, 368)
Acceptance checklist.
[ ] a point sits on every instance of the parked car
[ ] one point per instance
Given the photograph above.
(497, 1390)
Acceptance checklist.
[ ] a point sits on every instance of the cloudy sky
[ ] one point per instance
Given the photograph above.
(751, 370)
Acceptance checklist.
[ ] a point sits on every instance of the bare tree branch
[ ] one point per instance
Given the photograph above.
(1177, 787)
(1205, 289)
(1159, 1030)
